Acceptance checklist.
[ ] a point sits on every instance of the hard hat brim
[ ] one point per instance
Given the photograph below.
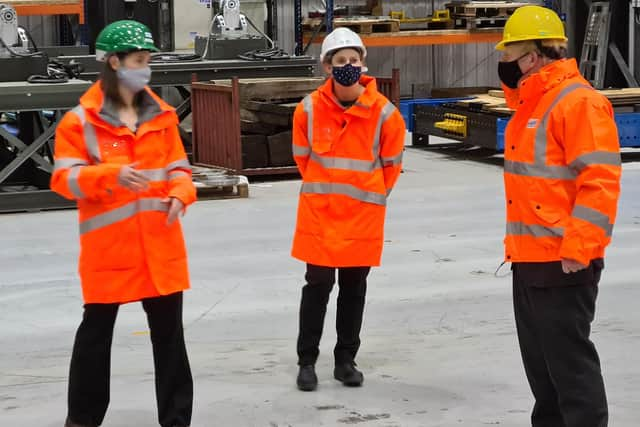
(503, 43)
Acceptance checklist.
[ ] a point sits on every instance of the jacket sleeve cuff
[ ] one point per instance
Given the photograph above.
(574, 250)
(186, 196)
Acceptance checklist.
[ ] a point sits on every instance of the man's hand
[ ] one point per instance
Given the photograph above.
(175, 208)
(571, 266)
(132, 179)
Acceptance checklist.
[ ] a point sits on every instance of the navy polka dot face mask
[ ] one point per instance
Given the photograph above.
(347, 75)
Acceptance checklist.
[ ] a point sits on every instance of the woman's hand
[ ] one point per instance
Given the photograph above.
(175, 208)
(132, 179)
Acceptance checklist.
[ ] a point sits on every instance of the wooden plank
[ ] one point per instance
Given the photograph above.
(272, 89)
(48, 7)
(280, 149)
(426, 37)
(39, 2)
(360, 25)
(368, 26)
(258, 128)
(487, 4)
(286, 109)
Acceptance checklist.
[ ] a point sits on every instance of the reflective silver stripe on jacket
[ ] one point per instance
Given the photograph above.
(90, 138)
(122, 213)
(539, 168)
(68, 162)
(155, 174)
(594, 217)
(595, 158)
(386, 112)
(307, 103)
(177, 174)
(359, 165)
(178, 164)
(332, 162)
(299, 150)
(345, 190)
(535, 230)
(392, 161)
(72, 182)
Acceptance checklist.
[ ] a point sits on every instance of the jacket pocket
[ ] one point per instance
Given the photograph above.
(550, 274)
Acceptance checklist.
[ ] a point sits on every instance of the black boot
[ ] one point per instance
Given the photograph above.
(348, 375)
(69, 423)
(307, 379)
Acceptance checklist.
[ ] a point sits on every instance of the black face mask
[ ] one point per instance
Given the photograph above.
(510, 72)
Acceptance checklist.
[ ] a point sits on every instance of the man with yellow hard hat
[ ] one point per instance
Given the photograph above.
(562, 182)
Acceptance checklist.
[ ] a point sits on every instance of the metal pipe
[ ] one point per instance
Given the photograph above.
(297, 16)
(329, 15)
(633, 4)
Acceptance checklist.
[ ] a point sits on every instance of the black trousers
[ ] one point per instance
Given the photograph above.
(313, 307)
(91, 362)
(553, 313)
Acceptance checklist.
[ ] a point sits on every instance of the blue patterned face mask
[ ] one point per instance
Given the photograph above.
(347, 75)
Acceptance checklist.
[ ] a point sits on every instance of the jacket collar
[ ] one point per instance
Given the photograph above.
(151, 116)
(362, 106)
(547, 78)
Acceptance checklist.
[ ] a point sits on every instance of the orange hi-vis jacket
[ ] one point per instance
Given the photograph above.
(127, 250)
(349, 159)
(562, 168)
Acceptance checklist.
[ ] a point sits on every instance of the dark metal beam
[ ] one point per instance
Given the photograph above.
(624, 68)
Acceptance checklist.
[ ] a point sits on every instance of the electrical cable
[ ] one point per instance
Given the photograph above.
(497, 272)
(20, 54)
(263, 54)
(175, 57)
(58, 72)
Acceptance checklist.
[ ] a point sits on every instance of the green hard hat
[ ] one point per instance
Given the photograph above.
(124, 36)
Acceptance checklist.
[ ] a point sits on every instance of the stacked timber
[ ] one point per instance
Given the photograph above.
(266, 118)
(493, 101)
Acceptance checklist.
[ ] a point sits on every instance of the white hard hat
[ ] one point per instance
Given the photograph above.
(341, 38)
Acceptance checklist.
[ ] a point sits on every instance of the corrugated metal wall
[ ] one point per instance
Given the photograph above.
(434, 66)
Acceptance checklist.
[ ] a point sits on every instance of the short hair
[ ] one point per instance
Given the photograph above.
(549, 48)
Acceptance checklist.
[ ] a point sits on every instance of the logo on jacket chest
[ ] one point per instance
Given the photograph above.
(532, 123)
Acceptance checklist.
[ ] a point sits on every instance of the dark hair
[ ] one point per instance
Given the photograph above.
(109, 82)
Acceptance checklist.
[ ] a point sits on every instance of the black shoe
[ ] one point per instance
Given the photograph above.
(348, 375)
(69, 423)
(307, 379)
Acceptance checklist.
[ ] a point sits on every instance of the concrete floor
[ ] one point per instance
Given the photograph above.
(439, 345)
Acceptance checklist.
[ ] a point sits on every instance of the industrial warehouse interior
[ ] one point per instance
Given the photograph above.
(380, 213)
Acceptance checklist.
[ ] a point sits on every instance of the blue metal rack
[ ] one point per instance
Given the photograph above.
(628, 123)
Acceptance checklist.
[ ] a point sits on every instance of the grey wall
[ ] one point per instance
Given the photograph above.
(43, 29)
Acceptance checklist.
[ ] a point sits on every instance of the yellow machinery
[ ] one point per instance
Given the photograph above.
(442, 17)
(453, 124)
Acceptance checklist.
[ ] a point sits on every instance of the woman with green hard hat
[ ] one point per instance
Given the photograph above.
(119, 155)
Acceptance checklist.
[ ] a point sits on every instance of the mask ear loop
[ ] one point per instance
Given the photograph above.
(517, 60)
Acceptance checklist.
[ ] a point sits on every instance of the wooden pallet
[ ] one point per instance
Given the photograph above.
(478, 23)
(483, 9)
(358, 25)
(494, 101)
(214, 184)
(368, 26)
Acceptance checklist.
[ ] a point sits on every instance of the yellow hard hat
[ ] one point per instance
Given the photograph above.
(532, 23)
